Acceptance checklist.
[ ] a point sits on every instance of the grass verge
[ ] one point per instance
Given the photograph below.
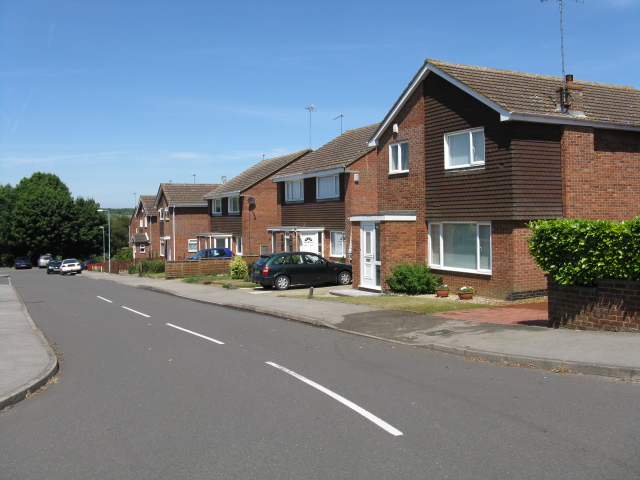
(412, 304)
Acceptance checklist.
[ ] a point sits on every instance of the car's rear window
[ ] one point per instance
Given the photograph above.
(261, 261)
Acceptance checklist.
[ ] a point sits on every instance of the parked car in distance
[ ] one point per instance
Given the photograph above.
(86, 263)
(22, 262)
(210, 253)
(54, 266)
(70, 265)
(44, 260)
(281, 270)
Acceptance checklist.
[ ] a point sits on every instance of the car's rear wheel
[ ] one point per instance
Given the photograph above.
(344, 278)
(282, 282)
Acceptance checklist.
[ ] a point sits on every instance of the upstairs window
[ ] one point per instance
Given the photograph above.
(464, 149)
(294, 191)
(161, 213)
(234, 205)
(328, 187)
(216, 206)
(399, 157)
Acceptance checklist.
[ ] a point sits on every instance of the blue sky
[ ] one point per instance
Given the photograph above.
(117, 96)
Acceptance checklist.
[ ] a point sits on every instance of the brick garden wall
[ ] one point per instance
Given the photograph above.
(612, 305)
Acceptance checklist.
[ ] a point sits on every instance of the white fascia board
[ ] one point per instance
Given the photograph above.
(300, 176)
(295, 229)
(383, 218)
(223, 195)
(567, 120)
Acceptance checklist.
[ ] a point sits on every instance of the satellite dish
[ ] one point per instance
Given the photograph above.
(251, 201)
(224, 179)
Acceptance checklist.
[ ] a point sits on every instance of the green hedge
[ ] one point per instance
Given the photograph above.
(580, 252)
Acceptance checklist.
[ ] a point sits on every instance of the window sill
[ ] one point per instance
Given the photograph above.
(399, 173)
(461, 270)
(465, 168)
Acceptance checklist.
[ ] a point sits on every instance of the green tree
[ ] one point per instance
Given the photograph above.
(42, 216)
(6, 206)
(45, 218)
(87, 236)
(119, 232)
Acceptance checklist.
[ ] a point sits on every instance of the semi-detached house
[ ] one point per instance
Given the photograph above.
(181, 213)
(143, 227)
(468, 155)
(320, 191)
(241, 210)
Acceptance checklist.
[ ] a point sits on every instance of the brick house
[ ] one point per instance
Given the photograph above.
(241, 210)
(182, 214)
(143, 226)
(319, 192)
(469, 155)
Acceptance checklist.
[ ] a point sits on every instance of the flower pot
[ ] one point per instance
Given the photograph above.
(465, 295)
(442, 292)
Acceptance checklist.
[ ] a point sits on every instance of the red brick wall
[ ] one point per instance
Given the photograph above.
(189, 221)
(601, 178)
(610, 305)
(257, 218)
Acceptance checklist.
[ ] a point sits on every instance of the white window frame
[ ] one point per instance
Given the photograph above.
(161, 213)
(234, 209)
(162, 246)
(438, 240)
(143, 248)
(216, 206)
(472, 152)
(334, 187)
(192, 245)
(400, 148)
(238, 246)
(340, 239)
(141, 222)
(294, 191)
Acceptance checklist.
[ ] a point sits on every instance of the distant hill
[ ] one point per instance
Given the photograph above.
(121, 211)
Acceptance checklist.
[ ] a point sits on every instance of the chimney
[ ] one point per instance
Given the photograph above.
(570, 98)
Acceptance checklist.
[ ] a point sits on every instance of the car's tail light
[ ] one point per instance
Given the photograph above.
(265, 271)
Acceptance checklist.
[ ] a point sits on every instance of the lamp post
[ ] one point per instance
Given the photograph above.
(103, 258)
(109, 222)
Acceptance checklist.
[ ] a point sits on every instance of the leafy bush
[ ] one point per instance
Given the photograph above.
(579, 252)
(415, 279)
(239, 268)
(146, 266)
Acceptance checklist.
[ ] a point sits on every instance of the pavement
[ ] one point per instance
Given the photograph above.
(514, 335)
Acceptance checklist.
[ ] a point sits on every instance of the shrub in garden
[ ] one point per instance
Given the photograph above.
(413, 279)
(147, 266)
(238, 268)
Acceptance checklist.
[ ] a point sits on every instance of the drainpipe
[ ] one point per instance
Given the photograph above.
(174, 233)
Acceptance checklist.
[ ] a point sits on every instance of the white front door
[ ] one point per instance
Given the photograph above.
(309, 242)
(369, 255)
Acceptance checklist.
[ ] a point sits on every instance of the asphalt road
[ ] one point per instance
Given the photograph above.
(158, 387)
